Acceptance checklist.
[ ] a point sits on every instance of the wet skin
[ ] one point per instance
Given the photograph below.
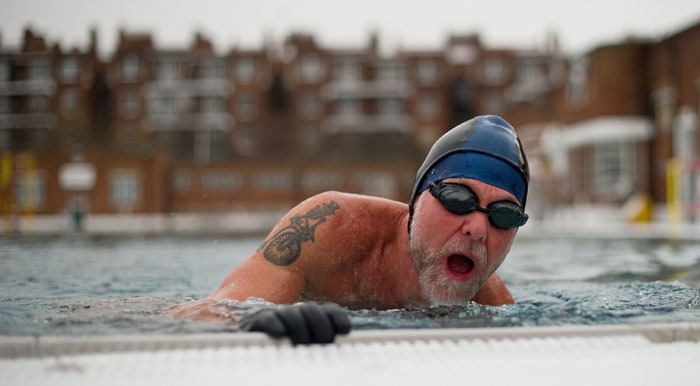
(355, 251)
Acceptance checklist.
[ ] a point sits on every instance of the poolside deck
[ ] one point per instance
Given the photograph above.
(573, 355)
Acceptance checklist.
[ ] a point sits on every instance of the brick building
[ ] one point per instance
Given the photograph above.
(195, 131)
(621, 128)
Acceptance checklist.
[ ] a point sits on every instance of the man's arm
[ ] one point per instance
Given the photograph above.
(493, 293)
(278, 271)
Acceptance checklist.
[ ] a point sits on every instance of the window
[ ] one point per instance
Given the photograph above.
(684, 133)
(129, 103)
(69, 69)
(391, 72)
(311, 69)
(578, 79)
(273, 181)
(210, 69)
(320, 181)
(129, 68)
(164, 105)
(311, 138)
(347, 107)
(530, 80)
(392, 106)
(613, 168)
(245, 70)
(493, 102)
(30, 191)
(125, 189)
(168, 69)
(246, 107)
(379, 184)
(39, 69)
(212, 105)
(243, 141)
(221, 181)
(310, 105)
(427, 71)
(346, 71)
(182, 181)
(494, 71)
(427, 106)
(69, 100)
(4, 71)
(664, 99)
(529, 73)
(39, 104)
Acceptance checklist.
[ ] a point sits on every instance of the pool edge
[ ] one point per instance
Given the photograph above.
(50, 346)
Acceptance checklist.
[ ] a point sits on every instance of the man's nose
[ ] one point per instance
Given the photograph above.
(476, 225)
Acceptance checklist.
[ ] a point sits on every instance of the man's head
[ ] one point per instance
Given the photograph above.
(484, 148)
(475, 180)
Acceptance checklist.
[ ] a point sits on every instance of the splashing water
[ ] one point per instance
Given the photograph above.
(101, 286)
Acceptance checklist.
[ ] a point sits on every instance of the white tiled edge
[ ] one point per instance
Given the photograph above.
(45, 346)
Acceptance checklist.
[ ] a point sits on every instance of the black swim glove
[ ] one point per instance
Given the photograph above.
(303, 323)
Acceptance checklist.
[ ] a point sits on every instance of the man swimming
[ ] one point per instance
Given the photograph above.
(443, 247)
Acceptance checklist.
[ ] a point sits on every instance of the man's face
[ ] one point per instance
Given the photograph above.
(454, 254)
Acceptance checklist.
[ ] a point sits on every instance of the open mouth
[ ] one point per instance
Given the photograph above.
(460, 266)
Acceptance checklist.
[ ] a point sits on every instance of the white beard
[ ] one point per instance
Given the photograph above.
(437, 287)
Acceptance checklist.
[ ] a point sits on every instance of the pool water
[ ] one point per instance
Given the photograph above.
(84, 285)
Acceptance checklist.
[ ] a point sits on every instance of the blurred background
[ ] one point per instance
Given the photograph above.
(219, 116)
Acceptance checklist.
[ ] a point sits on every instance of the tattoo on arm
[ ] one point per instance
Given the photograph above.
(284, 247)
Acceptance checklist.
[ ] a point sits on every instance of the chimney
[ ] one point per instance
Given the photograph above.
(93, 41)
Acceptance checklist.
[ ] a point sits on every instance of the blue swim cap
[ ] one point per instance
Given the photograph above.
(485, 148)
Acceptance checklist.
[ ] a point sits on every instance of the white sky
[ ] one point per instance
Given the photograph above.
(580, 25)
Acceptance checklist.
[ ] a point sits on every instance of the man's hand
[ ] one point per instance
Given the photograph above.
(303, 323)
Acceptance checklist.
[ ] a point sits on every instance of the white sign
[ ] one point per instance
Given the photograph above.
(77, 176)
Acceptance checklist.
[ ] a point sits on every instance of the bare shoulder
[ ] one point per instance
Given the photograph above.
(317, 242)
(357, 213)
(330, 222)
(349, 205)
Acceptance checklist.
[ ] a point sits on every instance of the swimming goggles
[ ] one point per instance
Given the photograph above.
(459, 199)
